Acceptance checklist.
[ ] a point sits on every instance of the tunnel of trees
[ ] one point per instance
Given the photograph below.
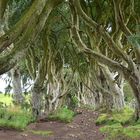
(83, 49)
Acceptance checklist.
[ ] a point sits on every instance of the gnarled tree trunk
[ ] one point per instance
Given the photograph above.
(16, 83)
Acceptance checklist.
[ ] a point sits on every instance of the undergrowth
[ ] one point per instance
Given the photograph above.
(123, 117)
(119, 125)
(14, 118)
(63, 114)
(119, 132)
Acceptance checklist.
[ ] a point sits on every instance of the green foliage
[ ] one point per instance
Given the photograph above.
(102, 119)
(41, 132)
(6, 99)
(16, 9)
(114, 125)
(122, 117)
(63, 114)
(73, 102)
(14, 118)
(118, 132)
(128, 92)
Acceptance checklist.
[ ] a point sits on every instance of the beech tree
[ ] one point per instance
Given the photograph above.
(99, 38)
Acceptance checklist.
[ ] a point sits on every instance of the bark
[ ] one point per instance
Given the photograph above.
(33, 29)
(136, 90)
(52, 100)
(37, 102)
(115, 89)
(16, 83)
(3, 4)
(9, 60)
(133, 79)
(34, 11)
(20, 27)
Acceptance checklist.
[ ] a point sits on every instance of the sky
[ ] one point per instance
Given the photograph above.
(2, 85)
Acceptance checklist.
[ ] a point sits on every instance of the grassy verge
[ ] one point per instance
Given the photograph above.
(123, 117)
(63, 114)
(14, 118)
(118, 132)
(119, 125)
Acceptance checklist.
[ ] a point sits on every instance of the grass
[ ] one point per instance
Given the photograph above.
(118, 132)
(41, 132)
(11, 116)
(6, 99)
(14, 118)
(119, 125)
(63, 114)
(123, 117)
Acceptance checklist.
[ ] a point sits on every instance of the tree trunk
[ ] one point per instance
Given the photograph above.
(37, 102)
(133, 78)
(107, 102)
(136, 90)
(135, 85)
(16, 83)
(115, 87)
(52, 96)
(98, 99)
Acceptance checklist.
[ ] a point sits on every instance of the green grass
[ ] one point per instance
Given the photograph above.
(123, 117)
(63, 115)
(41, 132)
(6, 99)
(115, 125)
(11, 116)
(118, 132)
(14, 118)
(102, 119)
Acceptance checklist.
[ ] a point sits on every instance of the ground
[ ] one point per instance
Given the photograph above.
(82, 128)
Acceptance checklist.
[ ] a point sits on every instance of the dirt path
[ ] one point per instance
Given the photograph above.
(82, 128)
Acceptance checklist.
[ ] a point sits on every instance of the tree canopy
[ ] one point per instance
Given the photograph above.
(89, 46)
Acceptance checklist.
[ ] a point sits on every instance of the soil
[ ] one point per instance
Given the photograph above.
(83, 127)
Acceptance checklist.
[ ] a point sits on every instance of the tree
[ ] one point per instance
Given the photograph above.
(98, 37)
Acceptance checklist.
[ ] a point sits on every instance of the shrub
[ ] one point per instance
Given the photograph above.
(14, 118)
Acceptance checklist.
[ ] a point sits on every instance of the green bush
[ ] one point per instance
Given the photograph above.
(63, 114)
(14, 118)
